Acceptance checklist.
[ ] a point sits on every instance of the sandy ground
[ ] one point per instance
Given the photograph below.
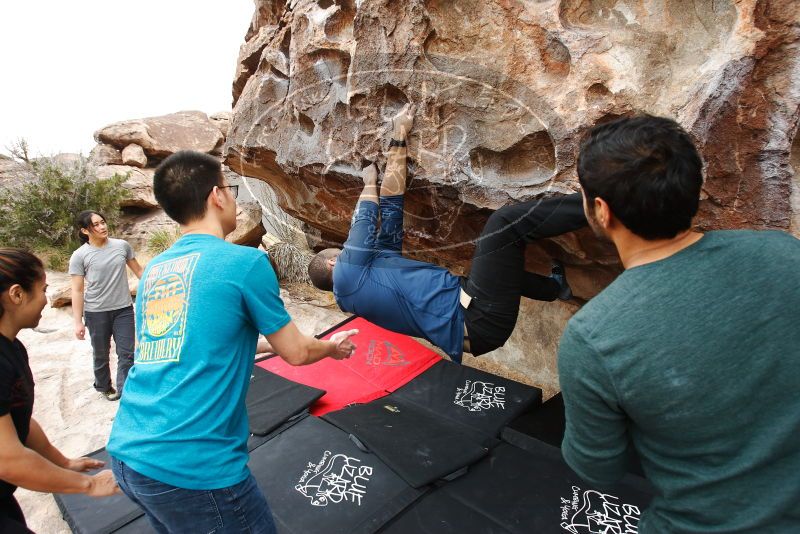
(74, 416)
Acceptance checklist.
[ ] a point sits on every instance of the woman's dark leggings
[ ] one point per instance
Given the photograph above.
(11, 519)
(498, 279)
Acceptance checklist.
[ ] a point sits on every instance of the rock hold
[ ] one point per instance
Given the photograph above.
(221, 120)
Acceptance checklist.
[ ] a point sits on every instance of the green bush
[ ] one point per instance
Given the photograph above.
(39, 212)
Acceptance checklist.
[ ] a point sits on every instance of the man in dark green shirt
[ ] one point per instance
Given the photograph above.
(692, 356)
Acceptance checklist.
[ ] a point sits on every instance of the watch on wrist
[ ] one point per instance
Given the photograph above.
(397, 142)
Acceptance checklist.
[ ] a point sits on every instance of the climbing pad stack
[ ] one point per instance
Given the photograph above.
(397, 440)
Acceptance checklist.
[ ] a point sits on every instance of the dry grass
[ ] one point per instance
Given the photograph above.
(290, 262)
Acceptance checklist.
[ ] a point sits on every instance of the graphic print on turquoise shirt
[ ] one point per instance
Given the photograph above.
(165, 302)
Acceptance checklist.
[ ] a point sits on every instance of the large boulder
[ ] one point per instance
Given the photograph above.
(221, 120)
(139, 184)
(134, 156)
(249, 228)
(502, 106)
(504, 92)
(164, 135)
(138, 228)
(103, 154)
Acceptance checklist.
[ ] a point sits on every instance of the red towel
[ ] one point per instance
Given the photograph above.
(383, 361)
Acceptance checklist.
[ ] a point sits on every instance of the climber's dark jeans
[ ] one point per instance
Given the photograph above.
(498, 278)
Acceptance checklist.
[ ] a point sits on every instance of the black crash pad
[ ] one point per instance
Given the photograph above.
(317, 480)
(137, 526)
(255, 441)
(118, 514)
(545, 423)
(417, 445)
(479, 400)
(548, 424)
(523, 491)
(87, 515)
(272, 400)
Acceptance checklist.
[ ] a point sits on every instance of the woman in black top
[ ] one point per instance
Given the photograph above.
(27, 458)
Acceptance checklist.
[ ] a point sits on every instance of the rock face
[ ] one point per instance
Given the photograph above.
(504, 92)
(105, 155)
(249, 229)
(137, 227)
(502, 104)
(134, 155)
(139, 184)
(11, 172)
(164, 135)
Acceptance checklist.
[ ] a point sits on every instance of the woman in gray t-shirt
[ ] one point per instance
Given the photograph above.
(101, 297)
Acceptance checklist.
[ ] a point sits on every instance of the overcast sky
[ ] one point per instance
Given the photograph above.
(69, 68)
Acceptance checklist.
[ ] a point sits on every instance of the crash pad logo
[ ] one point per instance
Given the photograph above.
(592, 512)
(477, 396)
(385, 353)
(164, 305)
(335, 479)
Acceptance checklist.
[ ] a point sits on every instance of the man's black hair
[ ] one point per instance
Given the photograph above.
(18, 266)
(182, 183)
(319, 272)
(648, 171)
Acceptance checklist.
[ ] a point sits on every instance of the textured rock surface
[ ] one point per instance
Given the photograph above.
(134, 156)
(139, 184)
(504, 92)
(249, 229)
(136, 228)
(221, 120)
(164, 135)
(103, 154)
(11, 172)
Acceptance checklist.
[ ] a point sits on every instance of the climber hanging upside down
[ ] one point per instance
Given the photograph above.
(474, 314)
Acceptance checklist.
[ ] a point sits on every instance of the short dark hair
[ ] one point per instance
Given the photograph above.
(648, 171)
(182, 183)
(18, 266)
(319, 273)
(84, 221)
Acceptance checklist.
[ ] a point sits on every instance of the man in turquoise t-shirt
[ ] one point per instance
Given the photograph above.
(179, 441)
(692, 356)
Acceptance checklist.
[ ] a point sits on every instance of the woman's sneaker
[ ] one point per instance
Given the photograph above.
(560, 275)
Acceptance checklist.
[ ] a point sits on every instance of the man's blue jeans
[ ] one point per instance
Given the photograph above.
(238, 508)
